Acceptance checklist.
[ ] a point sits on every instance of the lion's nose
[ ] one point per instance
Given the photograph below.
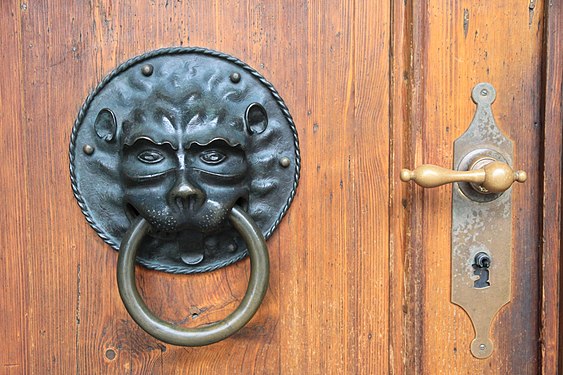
(186, 195)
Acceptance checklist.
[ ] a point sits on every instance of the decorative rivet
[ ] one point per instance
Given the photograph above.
(147, 70)
(484, 92)
(285, 162)
(482, 347)
(88, 150)
(235, 77)
(192, 259)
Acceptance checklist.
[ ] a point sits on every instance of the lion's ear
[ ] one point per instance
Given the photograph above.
(256, 118)
(106, 125)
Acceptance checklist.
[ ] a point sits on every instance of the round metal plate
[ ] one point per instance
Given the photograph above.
(468, 189)
(272, 154)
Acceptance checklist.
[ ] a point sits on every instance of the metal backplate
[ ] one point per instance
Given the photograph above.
(481, 223)
(173, 115)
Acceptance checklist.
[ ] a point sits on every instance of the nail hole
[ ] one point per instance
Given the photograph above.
(110, 354)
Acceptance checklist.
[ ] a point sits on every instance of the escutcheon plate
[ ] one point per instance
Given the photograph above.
(184, 102)
(481, 224)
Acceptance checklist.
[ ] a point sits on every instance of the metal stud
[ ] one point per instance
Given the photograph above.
(235, 77)
(285, 162)
(147, 70)
(88, 149)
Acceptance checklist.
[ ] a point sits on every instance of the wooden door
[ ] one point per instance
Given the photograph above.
(360, 266)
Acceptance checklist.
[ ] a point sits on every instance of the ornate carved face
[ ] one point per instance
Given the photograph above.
(183, 163)
(183, 186)
(179, 137)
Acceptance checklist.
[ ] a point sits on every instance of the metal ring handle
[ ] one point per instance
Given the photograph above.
(209, 334)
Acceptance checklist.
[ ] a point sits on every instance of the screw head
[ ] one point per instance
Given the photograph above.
(484, 92)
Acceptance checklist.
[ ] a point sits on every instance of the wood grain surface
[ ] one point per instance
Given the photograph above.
(552, 229)
(457, 44)
(360, 265)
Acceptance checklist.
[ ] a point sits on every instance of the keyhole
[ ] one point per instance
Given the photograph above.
(481, 268)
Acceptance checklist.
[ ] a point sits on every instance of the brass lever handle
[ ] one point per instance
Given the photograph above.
(490, 176)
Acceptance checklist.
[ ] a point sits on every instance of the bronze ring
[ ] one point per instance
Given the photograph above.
(209, 334)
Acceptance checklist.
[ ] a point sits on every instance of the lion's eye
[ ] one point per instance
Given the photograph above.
(212, 157)
(150, 156)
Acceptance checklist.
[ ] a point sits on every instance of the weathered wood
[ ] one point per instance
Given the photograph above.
(456, 45)
(327, 307)
(360, 265)
(552, 105)
(13, 265)
(406, 332)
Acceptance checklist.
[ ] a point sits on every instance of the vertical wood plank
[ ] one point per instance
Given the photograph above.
(404, 334)
(461, 44)
(369, 257)
(336, 299)
(408, 134)
(551, 332)
(53, 280)
(294, 335)
(13, 266)
(329, 101)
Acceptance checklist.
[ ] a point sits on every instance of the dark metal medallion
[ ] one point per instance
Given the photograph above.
(180, 136)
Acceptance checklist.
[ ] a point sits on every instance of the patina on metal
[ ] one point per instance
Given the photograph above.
(179, 137)
(481, 217)
(211, 333)
(482, 223)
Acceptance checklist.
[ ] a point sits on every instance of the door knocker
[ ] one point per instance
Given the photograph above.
(185, 160)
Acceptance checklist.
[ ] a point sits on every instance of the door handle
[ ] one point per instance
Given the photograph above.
(481, 217)
(185, 160)
(211, 333)
(486, 175)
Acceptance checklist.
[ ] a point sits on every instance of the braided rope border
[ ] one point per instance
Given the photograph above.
(180, 51)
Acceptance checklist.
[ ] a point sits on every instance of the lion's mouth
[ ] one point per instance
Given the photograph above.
(190, 203)
(131, 212)
(163, 235)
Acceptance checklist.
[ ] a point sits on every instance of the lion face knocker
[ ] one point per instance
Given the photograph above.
(179, 137)
(183, 165)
